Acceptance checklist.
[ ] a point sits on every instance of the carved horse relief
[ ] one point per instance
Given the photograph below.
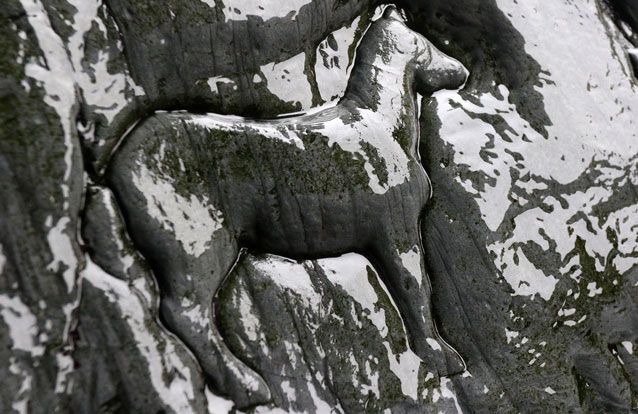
(198, 188)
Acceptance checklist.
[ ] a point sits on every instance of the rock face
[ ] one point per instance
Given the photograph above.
(551, 194)
(326, 335)
(530, 237)
(198, 188)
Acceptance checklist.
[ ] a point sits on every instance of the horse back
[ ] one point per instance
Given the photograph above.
(276, 186)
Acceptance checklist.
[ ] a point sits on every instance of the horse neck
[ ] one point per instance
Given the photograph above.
(385, 87)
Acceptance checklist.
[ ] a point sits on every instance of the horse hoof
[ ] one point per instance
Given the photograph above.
(454, 364)
(251, 391)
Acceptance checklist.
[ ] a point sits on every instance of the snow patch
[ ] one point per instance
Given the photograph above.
(332, 69)
(212, 82)
(192, 220)
(21, 398)
(510, 335)
(287, 80)
(447, 391)
(588, 130)
(104, 91)
(217, 404)
(3, 260)
(22, 325)
(231, 123)
(629, 347)
(290, 276)
(64, 258)
(411, 261)
(434, 344)
(54, 74)
(248, 318)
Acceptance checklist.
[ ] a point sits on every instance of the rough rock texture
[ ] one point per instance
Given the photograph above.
(197, 188)
(326, 335)
(538, 290)
(210, 56)
(531, 237)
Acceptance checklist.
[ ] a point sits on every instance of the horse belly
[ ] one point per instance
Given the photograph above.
(298, 223)
(303, 201)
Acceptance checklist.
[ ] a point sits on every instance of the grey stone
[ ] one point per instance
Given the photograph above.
(308, 186)
(529, 239)
(326, 333)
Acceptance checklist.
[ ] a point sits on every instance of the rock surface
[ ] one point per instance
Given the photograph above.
(531, 236)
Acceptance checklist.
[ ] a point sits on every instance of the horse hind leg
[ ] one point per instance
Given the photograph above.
(174, 224)
(187, 311)
(405, 276)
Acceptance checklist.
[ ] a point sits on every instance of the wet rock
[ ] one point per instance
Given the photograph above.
(199, 187)
(124, 360)
(326, 335)
(530, 237)
(122, 354)
(543, 253)
(223, 57)
(40, 198)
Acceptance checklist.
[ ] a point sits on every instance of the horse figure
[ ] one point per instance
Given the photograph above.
(197, 188)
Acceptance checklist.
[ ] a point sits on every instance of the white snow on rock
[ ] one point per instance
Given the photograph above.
(105, 91)
(233, 123)
(22, 325)
(215, 80)
(196, 314)
(411, 261)
(434, 344)
(593, 131)
(266, 9)
(126, 258)
(289, 275)
(332, 67)
(193, 220)
(405, 366)
(350, 272)
(54, 75)
(250, 322)
(217, 404)
(3, 260)
(510, 335)
(23, 396)
(63, 74)
(447, 391)
(288, 81)
(64, 258)
(375, 129)
(629, 347)
(67, 67)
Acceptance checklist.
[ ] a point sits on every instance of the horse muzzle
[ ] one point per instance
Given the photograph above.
(443, 72)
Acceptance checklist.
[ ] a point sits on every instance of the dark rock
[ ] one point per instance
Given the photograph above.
(530, 239)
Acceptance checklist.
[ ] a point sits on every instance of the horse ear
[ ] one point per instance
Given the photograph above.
(391, 12)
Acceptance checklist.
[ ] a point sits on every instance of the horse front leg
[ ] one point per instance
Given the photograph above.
(402, 267)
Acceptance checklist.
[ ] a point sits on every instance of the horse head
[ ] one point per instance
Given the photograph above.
(433, 69)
